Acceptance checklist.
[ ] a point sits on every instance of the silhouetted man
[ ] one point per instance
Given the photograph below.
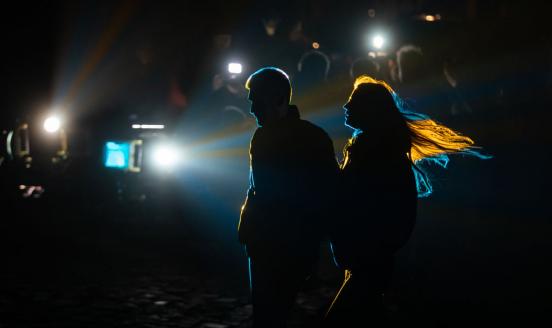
(282, 222)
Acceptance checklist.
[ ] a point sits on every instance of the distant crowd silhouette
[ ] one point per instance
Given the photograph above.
(299, 196)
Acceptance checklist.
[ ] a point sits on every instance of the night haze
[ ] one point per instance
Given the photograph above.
(130, 138)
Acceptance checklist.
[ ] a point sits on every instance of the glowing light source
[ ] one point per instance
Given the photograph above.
(235, 68)
(378, 41)
(429, 17)
(117, 155)
(123, 155)
(148, 126)
(52, 124)
(166, 156)
(315, 45)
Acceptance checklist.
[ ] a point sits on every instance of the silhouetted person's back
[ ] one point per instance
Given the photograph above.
(289, 161)
(378, 205)
(381, 183)
(283, 220)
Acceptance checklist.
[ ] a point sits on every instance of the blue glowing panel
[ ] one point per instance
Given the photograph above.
(117, 155)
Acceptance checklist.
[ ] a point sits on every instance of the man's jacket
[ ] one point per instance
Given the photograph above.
(292, 183)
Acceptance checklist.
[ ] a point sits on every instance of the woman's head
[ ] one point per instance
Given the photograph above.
(371, 106)
(375, 109)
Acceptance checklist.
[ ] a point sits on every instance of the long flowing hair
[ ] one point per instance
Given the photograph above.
(430, 141)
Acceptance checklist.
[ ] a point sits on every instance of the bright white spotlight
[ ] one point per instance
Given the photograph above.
(378, 41)
(235, 68)
(52, 124)
(166, 156)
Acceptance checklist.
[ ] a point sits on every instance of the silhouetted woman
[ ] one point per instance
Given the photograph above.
(380, 187)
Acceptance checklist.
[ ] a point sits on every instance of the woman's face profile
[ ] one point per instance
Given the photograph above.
(368, 103)
(351, 109)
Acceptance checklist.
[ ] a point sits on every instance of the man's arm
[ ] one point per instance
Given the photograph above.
(248, 207)
(245, 213)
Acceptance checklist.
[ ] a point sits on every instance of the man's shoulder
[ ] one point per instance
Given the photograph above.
(313, 129)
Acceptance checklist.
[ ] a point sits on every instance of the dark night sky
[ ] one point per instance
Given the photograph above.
(36, 36)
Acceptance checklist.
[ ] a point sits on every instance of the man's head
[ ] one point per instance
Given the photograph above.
(270, 94)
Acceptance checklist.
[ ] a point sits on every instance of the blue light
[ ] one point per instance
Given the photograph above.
(117, 155)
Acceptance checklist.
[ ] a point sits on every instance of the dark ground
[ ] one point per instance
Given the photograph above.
(73, 263)
(66, 263)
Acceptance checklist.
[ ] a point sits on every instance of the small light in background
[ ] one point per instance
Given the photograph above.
(429, 17)
(371, 13)
(270, 26)
(235, 68)
(117, 155)
(315, 45)
(31, 191)
(148, 126)
(52, 124)
(372, 54)
(153, 126)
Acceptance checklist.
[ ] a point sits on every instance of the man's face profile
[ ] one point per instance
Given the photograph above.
(262, 106)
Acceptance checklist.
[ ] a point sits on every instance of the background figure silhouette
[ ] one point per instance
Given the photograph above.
(282, 220)
(364, 66)
(421, 83)
(381, 184)
(312, 71)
